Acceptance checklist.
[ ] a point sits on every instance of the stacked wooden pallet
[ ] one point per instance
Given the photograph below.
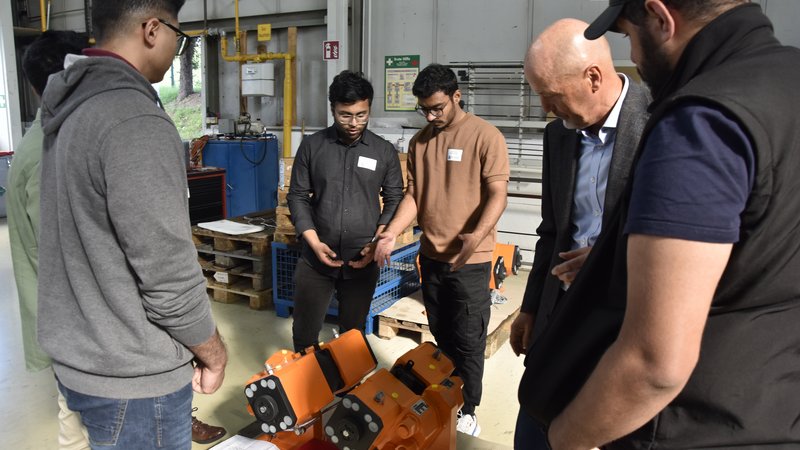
(284, 231)
(408, 314)
(237, 268)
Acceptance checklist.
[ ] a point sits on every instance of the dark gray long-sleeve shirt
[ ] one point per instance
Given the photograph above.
(346, 182)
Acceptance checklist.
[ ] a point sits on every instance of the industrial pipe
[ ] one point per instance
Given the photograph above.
(262, 57)
(43, 15)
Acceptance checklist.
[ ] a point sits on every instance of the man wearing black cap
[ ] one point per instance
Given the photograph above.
(681, 331)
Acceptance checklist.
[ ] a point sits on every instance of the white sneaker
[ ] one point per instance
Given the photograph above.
(468, 423)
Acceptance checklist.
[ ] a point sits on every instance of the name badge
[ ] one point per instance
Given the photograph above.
(367, 163)
(454, 154)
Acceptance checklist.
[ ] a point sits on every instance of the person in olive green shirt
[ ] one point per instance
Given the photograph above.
(43, 57)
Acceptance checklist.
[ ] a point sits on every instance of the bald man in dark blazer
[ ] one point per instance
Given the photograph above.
(588, 153)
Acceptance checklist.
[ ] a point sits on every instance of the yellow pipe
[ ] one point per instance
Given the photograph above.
(236, 39)
(43, 13)
(287, 106)
(262, 57)
(287, 85)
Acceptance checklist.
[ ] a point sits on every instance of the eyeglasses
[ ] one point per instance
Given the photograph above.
(347, 117)
(183, 38)
(436, 111)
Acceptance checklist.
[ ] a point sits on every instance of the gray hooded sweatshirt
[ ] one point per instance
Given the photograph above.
(121, 294)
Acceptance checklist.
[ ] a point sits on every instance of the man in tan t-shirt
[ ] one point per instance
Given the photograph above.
(457, 185)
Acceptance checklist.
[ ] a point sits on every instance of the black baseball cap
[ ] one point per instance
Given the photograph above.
(606, 20)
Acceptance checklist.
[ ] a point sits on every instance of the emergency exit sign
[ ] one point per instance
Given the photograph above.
(330, 50)
(2, 102)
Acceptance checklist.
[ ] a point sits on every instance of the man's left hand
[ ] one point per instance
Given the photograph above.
(573, 262)
(469, 242)
(366, 257)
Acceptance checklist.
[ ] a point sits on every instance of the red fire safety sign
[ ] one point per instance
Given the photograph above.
(330, 50)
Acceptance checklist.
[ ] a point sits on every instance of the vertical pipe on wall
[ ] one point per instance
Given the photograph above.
(366, 40)
(43, 15)
(287, 107)
(435, 40)
(87, 15)
(236, 38)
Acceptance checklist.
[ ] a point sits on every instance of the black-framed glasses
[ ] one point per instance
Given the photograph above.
(436, 111)
(183, 38)
(346, 118)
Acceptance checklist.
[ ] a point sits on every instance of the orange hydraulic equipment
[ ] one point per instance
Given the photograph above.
(506, 259)
(411, 407)
(295, 388)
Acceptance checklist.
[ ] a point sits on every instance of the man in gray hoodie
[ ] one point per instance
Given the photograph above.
(123, 310)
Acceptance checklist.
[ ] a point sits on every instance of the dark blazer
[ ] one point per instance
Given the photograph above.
(560, 164)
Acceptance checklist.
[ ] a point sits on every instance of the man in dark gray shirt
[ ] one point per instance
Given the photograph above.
(338, 177)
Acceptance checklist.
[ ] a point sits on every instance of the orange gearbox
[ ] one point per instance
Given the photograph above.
(411, 407)
(294, 388)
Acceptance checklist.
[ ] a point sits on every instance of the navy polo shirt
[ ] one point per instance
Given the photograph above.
(693, 178)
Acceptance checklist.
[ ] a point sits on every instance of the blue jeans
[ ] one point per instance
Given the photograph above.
(147, 423)
(529, 434)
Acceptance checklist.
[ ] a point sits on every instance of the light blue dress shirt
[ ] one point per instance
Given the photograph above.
(592, 176)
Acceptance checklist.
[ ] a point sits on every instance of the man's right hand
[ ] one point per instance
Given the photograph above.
(384, 248)
(211, 357)
(521, 330)
(207, 380)
(326, 255)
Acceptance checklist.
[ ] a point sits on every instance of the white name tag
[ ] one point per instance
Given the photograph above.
(454, 154)
(367, 163)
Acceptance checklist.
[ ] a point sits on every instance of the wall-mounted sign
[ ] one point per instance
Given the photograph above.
(264, 32)
(330, 50)
(400, 73)
(2, 101)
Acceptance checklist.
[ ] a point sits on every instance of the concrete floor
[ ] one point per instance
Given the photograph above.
(28, 400)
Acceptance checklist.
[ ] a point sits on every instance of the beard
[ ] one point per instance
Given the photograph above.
(654, 67)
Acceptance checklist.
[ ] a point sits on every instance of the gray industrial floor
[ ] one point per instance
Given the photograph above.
(28, 400)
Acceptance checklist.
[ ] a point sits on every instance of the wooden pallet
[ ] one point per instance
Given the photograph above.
(408, 313)
(286, 236)
(240, 292)
(237, 267)
(282, 193)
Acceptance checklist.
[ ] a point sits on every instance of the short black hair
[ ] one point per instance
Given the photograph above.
(433, 79)
(702, 11)
(109, 16)
(349, 87)
(45, 55)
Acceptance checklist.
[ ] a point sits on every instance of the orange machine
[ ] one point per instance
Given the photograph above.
(411, 407)
(506, 259)
(295, 388)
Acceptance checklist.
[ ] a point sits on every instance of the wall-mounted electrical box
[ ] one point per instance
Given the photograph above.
(258, 79)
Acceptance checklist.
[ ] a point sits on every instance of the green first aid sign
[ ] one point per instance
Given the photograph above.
(399, 75)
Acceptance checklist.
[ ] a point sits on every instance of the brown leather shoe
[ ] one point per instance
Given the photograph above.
(203, 433)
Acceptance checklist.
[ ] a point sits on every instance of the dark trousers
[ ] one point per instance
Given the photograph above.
(312, 297)
(458, 306)
(529, 434)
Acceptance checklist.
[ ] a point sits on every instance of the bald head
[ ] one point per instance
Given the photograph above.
(574, 77)
(561, 50)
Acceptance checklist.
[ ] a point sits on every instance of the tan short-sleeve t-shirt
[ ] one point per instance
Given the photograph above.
(450, 171)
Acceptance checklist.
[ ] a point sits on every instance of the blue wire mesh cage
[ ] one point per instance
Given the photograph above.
(395, 281)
